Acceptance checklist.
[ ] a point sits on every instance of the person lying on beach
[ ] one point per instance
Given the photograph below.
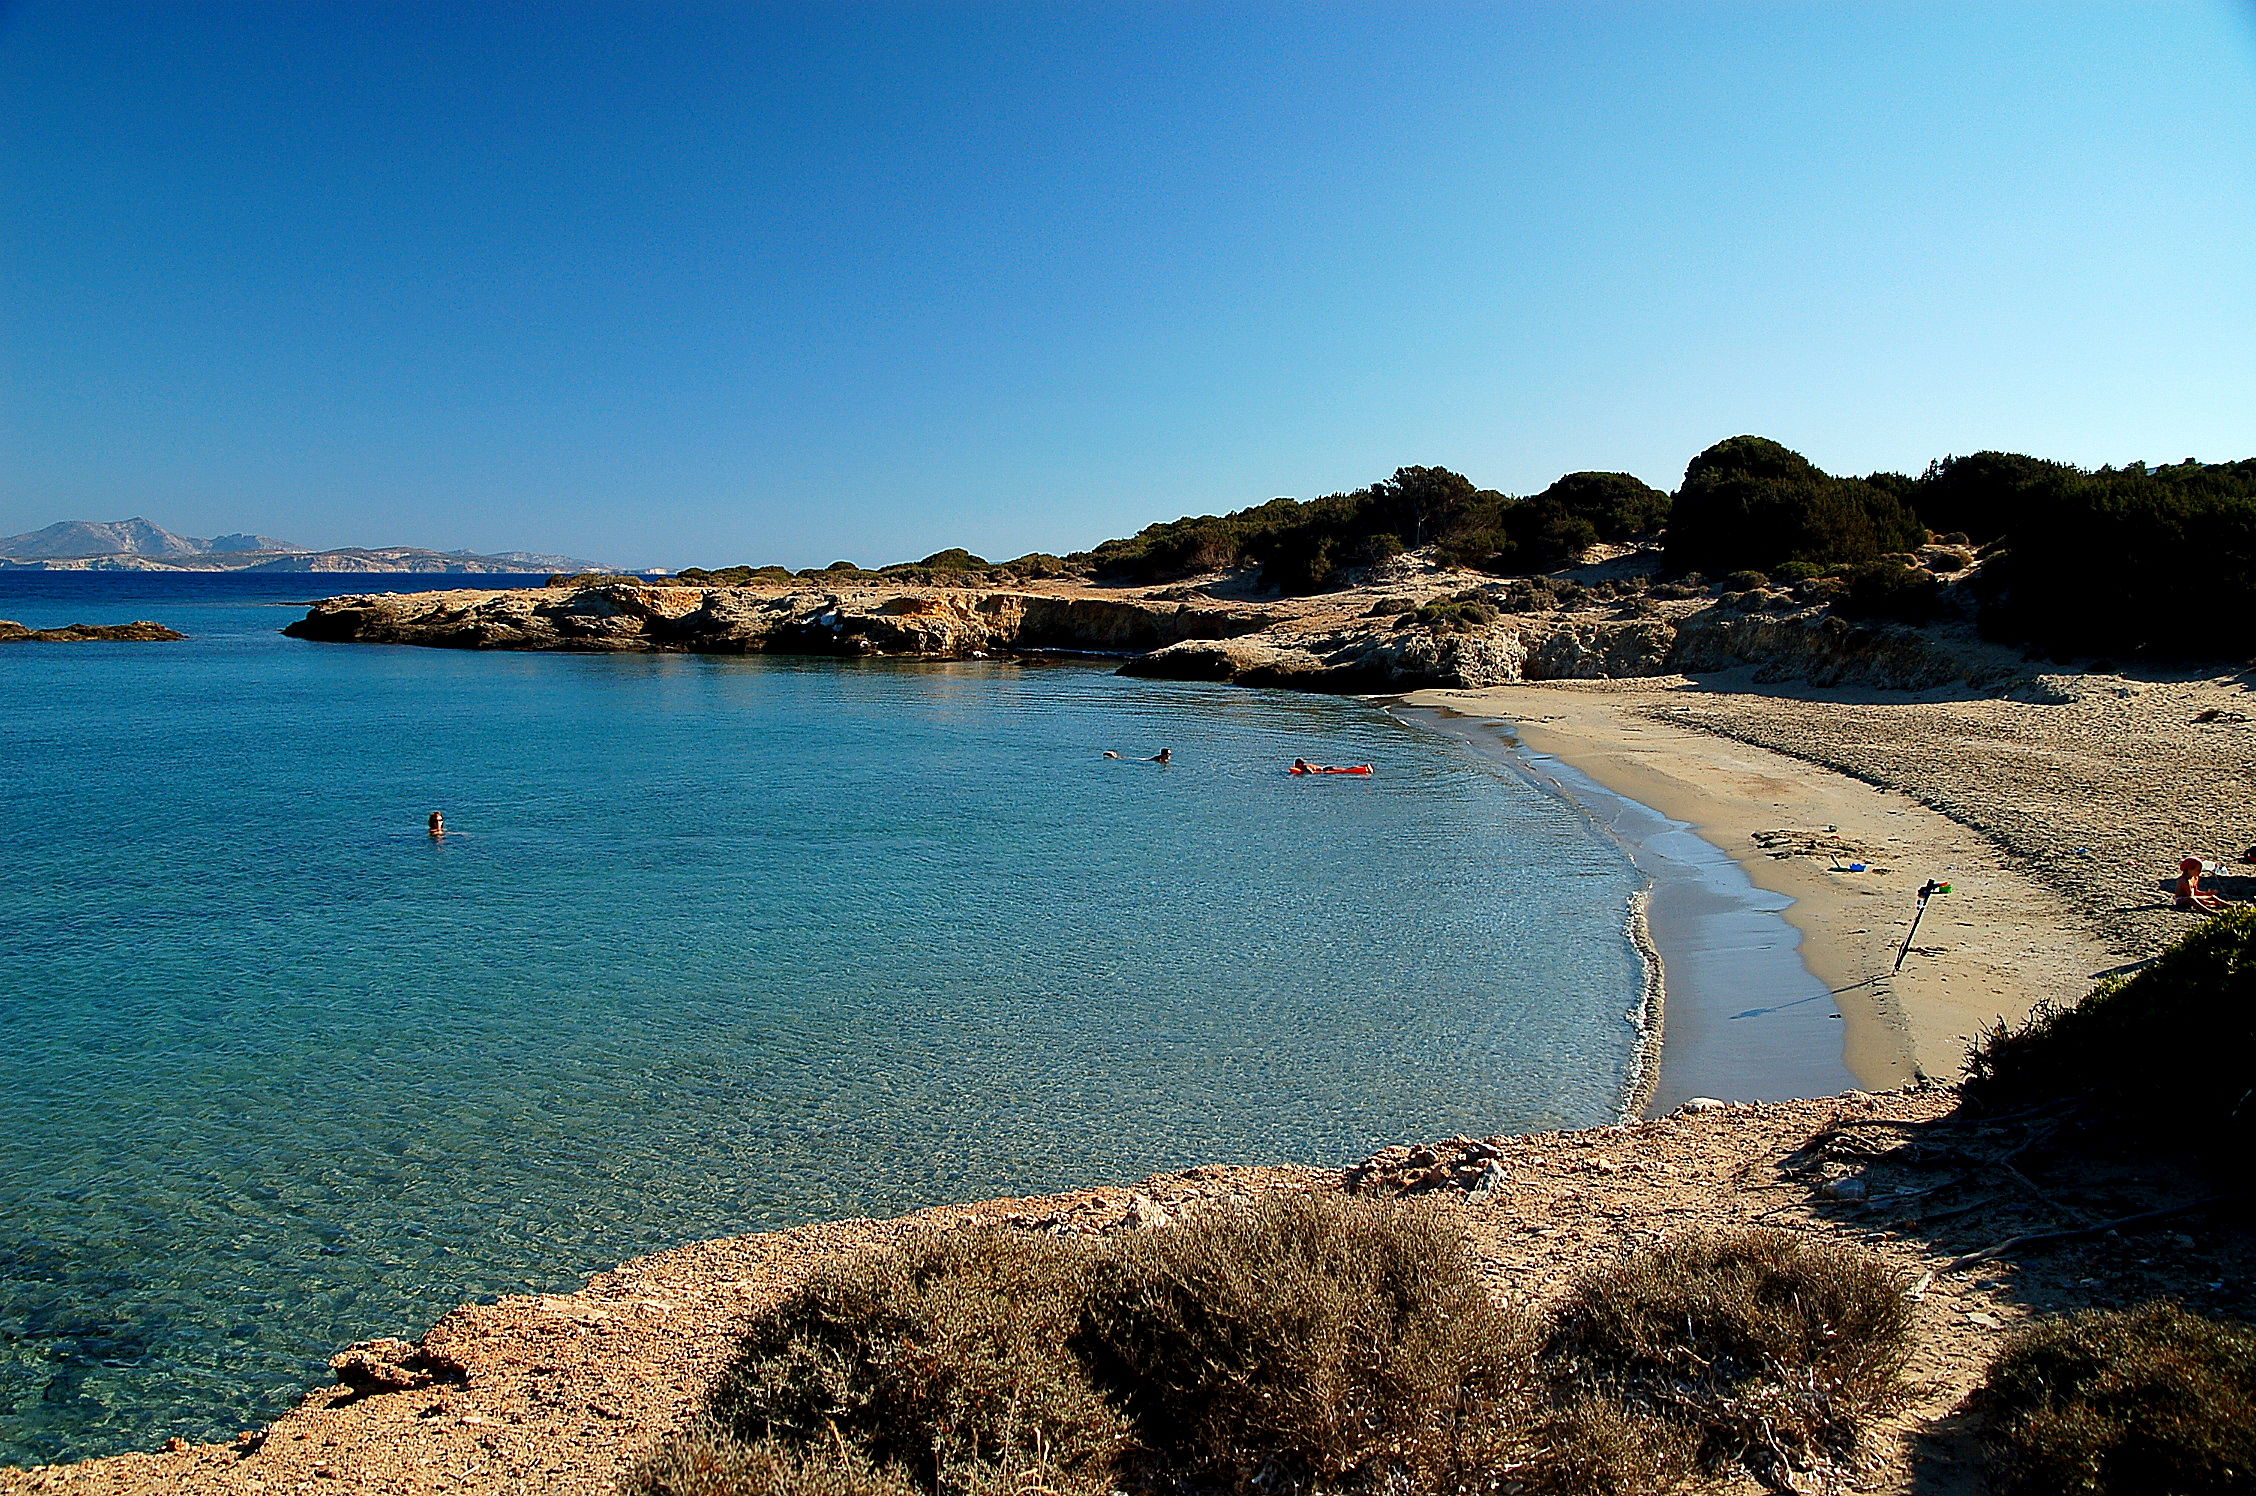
(438, 823)
(2191, 895)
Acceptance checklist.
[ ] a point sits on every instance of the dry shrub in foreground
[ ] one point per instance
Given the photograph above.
(707, 1463)
(2151, 1400)
(1315, 1343)
(946, 1357)
(1304, 1345)
(1762, 1348)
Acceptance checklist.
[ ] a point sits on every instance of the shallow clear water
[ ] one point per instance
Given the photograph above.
(723, 944)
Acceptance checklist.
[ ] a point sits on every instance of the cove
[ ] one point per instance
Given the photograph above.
(723, 944)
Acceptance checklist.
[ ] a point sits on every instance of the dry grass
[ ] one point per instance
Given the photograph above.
(708, 1463)
(1317, 1344)
(1762, 1349)
(947, 1358)
(1306, 1345)
(2152, 1400)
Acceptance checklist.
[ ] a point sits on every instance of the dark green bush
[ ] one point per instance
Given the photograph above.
(1751, 503)
(2157, 561)
(1306, 547)
(1764, 1349)
(1744, 581)
(2152, 1400)
(1461, 614)
(1990, 493)
(947, 1358)
(2168, 1051)
(1889, 589)
(1314, 1343)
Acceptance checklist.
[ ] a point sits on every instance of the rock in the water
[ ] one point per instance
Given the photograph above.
(140, 630)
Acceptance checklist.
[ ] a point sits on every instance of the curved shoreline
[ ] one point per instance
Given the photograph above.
(1998, 945)
(1731, 1008)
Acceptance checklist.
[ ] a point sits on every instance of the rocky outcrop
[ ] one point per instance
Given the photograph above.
(1306, 644)
(1376, 655)
(141, 629)
(944, 623)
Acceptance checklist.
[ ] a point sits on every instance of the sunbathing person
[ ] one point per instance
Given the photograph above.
(2191, 895)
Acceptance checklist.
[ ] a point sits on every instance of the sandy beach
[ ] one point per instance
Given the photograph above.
(2054, 821)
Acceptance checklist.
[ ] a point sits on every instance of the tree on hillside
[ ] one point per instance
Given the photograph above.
(1749, 502)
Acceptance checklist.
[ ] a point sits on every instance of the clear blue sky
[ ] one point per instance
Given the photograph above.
(670, 283)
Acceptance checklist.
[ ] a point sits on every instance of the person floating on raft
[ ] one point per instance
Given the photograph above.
(1303, 766)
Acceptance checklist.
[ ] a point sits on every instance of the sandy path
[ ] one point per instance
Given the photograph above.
(2000, 942)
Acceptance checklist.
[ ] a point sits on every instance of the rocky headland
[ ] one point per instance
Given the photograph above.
(1412, 624)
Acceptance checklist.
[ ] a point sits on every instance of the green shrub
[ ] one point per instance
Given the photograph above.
(1745, 581)
(2151, 1400)
(1461, 614)
(1750, 503)
(707, 1463)
(1311, 1343)
(1789, 572)
(1762, 1348)
(1889, 589)
(1990, 493)
(2168, 1051)
(947, 1357)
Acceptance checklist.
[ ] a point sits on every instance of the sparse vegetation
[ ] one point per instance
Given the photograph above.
(2153, 1400)
(1319, 1344)
(1762, 1349)
(947, 1358)
(1311, 1344)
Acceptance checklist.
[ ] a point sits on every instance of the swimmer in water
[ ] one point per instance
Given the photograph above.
(438, 823)
(1110, 754)
(1164, 756)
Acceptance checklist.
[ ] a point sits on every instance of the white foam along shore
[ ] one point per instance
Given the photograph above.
(1996, 946)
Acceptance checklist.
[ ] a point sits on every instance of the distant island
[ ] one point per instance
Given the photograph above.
(142, 545)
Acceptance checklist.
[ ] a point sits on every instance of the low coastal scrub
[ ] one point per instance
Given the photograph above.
(2153, 1400)
(1760, 1350)
(2167, 1052)
(1312, 1344)
(1319, 1344)
(946, 1360)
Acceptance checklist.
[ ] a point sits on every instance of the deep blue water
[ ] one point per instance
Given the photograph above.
(722, 944)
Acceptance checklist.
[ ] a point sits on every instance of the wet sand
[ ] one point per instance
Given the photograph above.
(1996, 945)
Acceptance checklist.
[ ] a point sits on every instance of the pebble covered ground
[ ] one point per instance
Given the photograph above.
(2101, 782)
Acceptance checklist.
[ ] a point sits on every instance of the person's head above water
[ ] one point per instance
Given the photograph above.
(438, 823)
(1165, 755)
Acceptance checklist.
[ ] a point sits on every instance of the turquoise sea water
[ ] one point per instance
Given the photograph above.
(723, 944)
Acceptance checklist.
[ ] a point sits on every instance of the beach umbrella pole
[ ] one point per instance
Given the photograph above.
(1927, 891)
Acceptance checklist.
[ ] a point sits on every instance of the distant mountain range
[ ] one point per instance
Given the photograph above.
(142, 545)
